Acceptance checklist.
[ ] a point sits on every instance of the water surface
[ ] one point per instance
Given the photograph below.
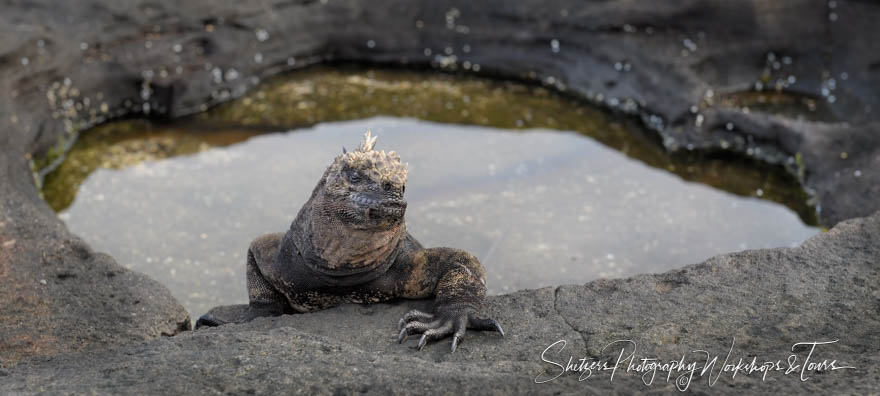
(542, 189)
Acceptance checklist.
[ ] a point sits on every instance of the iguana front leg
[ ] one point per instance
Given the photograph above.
(457, 280)
(263, 299)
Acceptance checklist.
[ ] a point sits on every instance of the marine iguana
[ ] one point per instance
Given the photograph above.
(349, 244)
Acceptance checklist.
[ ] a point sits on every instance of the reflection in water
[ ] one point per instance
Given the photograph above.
(538, 207)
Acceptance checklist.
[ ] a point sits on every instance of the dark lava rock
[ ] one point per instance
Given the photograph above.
(761, 302)
(675, 65)
(59, 297)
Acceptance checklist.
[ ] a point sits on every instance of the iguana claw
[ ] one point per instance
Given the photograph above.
(438, 326)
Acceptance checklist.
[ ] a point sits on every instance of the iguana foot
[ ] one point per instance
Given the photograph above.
(441, 325)
(241, 313)
(208, 320)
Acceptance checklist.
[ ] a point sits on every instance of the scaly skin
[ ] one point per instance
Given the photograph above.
(349, 244)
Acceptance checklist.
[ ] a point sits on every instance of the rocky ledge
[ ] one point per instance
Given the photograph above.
(73, 320)
(754, 304)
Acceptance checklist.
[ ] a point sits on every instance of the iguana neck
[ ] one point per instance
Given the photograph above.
(344, 250)
(351, 249)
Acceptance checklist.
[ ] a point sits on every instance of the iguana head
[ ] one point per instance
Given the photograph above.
(364, 188)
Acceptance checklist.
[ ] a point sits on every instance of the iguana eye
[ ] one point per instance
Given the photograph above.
(354, 177)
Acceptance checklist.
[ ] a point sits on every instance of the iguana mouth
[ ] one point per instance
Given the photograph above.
(379, 205)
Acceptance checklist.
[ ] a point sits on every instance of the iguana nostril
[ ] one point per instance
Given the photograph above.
(387, 186)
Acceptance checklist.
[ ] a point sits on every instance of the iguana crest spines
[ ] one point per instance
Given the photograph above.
(377, 165)
(368, 143)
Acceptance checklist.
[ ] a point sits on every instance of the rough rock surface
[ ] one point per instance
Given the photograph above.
(67, 65)
(765, 300)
